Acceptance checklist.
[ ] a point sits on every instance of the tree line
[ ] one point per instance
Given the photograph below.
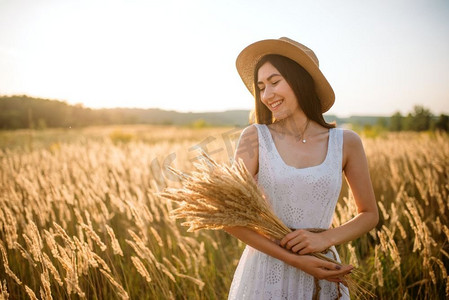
(419, 119)
(17, 112)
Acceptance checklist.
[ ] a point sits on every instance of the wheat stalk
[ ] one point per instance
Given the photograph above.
(217, 196)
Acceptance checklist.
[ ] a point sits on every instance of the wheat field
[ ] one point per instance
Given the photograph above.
(80, 217)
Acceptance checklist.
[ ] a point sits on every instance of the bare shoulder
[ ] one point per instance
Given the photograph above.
(248, 148)
(352, 148)
(351, 139)
(249, 139)
(249, 132)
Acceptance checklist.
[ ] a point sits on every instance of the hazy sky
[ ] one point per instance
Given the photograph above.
(380, 56)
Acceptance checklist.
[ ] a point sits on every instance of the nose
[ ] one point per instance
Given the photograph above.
(267, 93)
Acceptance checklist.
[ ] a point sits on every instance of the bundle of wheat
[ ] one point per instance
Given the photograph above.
(217, 196)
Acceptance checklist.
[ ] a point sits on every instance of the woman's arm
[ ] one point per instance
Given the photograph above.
(316, 267)
(356, 171)
(247, 150)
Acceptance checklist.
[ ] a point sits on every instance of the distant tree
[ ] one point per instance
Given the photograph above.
(382, 122)
(407, 121)
(442, 123)
(422, 118)
(396, 121)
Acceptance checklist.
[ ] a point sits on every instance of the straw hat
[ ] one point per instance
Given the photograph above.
(248, 58)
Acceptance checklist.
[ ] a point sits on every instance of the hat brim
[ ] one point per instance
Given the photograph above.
(250, 56)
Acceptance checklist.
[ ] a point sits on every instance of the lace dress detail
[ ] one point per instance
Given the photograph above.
(301, 198)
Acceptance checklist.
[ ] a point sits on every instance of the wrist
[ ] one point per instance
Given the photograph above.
(296, 260)
(292, 259)
(329, 238)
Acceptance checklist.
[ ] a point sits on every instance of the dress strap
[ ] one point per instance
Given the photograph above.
(337, 146)
(264, 138)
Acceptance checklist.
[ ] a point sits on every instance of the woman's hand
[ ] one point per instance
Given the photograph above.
(305, 242)
(321, 269)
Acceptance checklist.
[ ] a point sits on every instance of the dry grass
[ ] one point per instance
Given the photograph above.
(79, 218)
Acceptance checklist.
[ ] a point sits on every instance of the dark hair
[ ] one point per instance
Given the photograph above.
(299, 81)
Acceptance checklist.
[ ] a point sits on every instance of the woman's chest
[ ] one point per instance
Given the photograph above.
(297, 154)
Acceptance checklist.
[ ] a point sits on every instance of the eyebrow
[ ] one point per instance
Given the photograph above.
(269, 77)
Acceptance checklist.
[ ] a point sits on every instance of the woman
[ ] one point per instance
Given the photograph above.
(298, 160)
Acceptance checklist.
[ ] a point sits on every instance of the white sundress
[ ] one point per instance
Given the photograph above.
(301, 198)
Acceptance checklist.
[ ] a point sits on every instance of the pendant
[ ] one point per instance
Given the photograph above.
(304, 141)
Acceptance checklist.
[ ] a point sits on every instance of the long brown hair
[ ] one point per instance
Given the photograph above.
(299, 81)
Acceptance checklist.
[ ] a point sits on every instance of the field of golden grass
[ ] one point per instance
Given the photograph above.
(79, 217)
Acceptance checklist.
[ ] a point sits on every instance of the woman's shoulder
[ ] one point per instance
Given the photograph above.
(352, 144)
(249, 138)
(247, 148)
(251, 132)
(350, 137)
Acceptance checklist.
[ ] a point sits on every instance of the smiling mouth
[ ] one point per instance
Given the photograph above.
(276, 104)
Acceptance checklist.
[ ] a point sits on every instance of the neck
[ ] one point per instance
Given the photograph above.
(295, 125)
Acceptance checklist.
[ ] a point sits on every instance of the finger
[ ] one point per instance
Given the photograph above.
(298, 248)
(284, 241)
(305, 250)
(330, 265)
(335, 269)
(336, 273)
(288, 237)
(333, 266)
(294, 242)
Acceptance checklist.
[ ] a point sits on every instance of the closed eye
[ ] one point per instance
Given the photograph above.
(261, 85)
(262, 88)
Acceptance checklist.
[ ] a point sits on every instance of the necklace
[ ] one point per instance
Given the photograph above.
(301, 136)
(297, 136)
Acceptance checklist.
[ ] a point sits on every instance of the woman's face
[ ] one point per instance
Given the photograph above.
(275, 92)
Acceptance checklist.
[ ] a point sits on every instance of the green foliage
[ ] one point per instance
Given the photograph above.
(373, 131)
(198, 124)
(396, 122)
(382, 122)
(118, 136)
(20, 112)
(442, 123)
(369, 131)
(420, 119)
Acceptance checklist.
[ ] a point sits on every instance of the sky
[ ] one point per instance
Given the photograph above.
(380, 56)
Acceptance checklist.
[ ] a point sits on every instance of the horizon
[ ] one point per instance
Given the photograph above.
(212, 111)
(379, 56)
